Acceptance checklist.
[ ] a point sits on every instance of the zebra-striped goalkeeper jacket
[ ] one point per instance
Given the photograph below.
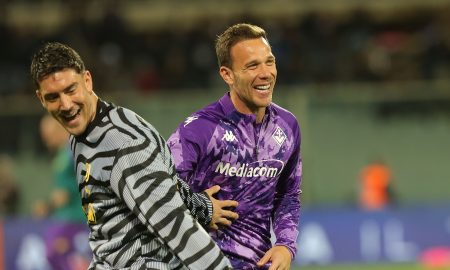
(131, 196)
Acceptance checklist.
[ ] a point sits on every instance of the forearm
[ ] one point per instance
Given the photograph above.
(286, 221)
(160, 208)
(198, 204)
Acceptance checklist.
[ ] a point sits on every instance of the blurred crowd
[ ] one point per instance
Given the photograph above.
(9, 190)
(317, 47)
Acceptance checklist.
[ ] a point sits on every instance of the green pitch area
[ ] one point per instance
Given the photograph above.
(363, 267)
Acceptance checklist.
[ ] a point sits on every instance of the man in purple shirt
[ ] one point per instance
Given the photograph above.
(250, 147)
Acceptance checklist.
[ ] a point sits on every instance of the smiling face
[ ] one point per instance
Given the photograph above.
(69, 98)
(252, 76)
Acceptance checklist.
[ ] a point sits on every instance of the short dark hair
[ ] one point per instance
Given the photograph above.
(233, 35)
(53, 57)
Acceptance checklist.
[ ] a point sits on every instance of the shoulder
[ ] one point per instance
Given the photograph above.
(199, 127)
(284, 115)
(122, 116)
(127, 119)
(287, 121)
(131, 126)
(204, 120)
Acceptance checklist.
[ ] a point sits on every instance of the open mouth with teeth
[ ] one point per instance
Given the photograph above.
(70, 116)
(262, 87)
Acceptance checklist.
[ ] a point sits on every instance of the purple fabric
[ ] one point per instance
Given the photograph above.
(63, 247)
(259, 165)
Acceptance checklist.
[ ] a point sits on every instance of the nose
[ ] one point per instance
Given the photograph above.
(65, 102)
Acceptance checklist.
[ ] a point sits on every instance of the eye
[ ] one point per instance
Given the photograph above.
(270, 62)
(51, 98)
(71, 89)
(252, 66)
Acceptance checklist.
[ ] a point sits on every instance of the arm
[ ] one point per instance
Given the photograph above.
(286, 213)
(198, 204)
(141, 177)
(208, 211)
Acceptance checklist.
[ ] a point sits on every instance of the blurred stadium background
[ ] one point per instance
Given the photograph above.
(366, 79)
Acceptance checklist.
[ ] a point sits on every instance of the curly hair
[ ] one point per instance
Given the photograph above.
(53, 57)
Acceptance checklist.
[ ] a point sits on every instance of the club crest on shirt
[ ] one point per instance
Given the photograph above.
(279, 136)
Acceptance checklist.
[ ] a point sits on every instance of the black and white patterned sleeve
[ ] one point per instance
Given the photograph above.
(142, 179)
(198, 204)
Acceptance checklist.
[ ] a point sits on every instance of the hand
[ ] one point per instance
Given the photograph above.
(221, 213)
(279, 256)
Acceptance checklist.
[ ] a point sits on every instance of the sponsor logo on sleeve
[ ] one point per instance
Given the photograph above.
(86, 178)
(88, 209)
(189, 120)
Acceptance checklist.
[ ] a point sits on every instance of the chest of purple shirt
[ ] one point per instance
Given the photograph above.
(220, 146)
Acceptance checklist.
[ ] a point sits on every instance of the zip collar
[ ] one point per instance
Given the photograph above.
(103, 108)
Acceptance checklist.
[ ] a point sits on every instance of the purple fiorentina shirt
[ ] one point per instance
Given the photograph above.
(259, 165)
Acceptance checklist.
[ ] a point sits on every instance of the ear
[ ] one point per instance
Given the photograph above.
(40, 97)
(227, 75)
(88, 81)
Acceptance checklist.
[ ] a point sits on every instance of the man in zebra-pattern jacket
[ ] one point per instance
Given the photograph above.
(126, 177)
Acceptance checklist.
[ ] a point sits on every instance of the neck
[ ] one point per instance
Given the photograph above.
(94, 108)
(242, 107)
